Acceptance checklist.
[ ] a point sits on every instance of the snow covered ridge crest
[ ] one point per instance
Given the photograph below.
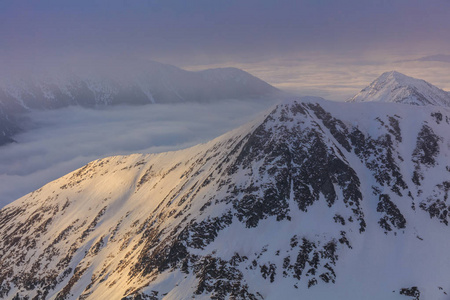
(399, 88)
(314, 200)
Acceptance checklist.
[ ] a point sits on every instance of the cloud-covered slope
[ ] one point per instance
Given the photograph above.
(8, 128)
(314, 200)
(137, 84)
(396, 87)
(150, 82)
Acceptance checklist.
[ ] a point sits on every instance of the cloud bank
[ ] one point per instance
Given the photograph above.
(60, 141)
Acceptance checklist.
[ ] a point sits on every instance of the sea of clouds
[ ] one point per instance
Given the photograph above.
(57, 142)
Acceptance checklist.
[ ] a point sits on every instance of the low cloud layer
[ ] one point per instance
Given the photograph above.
(60, 141)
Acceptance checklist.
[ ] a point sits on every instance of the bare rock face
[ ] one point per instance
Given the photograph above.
(316, 199)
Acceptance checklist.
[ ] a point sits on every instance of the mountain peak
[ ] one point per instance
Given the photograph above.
(396, 87)
(399, 79)
(394, 75)
(285, 206)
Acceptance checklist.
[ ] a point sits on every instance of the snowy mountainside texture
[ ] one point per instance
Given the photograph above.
(314, 200)
(150, 83)
(399, 88)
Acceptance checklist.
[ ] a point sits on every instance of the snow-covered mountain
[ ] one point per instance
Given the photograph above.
(151, 82)
(396, 87)
(313, 200)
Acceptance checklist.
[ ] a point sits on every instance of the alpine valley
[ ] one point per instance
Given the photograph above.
(313, 200)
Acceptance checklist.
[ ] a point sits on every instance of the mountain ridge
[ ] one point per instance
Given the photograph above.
(138, 84)
(150, 82)
(239, 216)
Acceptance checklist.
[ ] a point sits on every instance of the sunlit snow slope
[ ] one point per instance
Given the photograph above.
(314, 200)
(399, 88)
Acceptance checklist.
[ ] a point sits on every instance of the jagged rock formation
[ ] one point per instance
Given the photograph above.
(399, 88)
(152, 82)
(314, 200)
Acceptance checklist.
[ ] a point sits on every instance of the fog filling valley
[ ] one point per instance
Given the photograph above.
(57, 142)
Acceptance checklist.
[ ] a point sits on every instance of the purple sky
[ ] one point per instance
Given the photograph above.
(246, 33)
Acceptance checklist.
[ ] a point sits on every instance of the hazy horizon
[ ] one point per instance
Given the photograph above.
(323, 48)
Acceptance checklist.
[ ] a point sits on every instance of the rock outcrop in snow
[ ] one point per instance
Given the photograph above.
(396, 87)
(314, 200)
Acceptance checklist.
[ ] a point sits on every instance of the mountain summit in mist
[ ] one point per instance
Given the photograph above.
(135, 84)
(399, 88)
(314, 200)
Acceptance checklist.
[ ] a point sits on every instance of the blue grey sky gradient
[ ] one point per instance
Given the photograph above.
(210, 30)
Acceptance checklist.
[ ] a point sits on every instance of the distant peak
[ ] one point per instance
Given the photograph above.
(394, 75)
(396, 87)
(225, 70)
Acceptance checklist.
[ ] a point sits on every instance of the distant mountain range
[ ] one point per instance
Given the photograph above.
(313, 200)
(154, 82)
(148, 83)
